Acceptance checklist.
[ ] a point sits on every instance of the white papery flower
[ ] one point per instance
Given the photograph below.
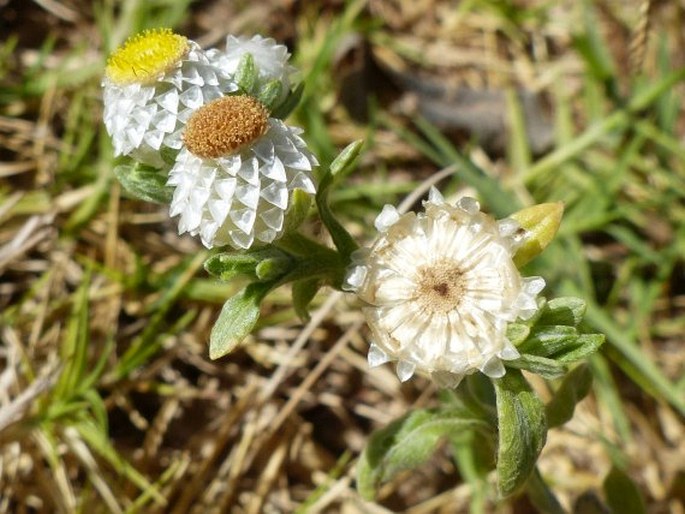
(440, 288)
(152, 84)
(271, 59)
(235, 176)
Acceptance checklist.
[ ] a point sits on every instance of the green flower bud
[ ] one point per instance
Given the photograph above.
(541, 223)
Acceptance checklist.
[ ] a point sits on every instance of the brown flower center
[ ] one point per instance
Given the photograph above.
(440, 287)
(223, 127)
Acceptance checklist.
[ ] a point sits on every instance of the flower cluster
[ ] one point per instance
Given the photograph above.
(440, 288)
(204, 118)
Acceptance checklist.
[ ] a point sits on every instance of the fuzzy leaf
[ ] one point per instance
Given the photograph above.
(522, 431)
(269, 93)
(236, 320)
(574, 388)
(585, 345)
(406, 443)
(300, 203)
(285, 108)
(622, 494)
(246, 74)
(517, 333)
(340, 166)
(144, 182)
(565, 310)
(548, 340)
(547, 368)
(304, 292)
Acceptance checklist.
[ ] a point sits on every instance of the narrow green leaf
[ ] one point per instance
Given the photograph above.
(144, 182)
(517, 333)
(565, 310)
(346, 159)
(585, 345)
(547, 340)
(304, 292)
(269, 93)
(288, 105)
(547, 368)
(522, 431)
(341, 165)
(74, 347)
(236, 320)
(574, 388)
(408, 442)
(622, 494)
(246, 74)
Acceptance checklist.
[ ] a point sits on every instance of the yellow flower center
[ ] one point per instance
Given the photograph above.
(224, 126)
(146, 56)
(440, 287)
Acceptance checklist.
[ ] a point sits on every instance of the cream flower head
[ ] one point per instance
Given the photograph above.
(152, 85)
(235, 175)
(440, 288)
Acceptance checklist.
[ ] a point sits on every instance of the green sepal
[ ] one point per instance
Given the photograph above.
(246, 74)
(340, 166)
(269, 93)
(144, 182)
(408, 442)
(522, 431)
(575, 386)
(262, 264)
(287, 106)
(237, 319)
(303, 292)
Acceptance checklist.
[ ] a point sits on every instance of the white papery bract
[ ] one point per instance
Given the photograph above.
(241, 199)
(146, 118)
(439, 289)
(270, 58)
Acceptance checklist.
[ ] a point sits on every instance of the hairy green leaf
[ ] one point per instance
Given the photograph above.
(303, 293)
(621, 493)
(565, 310)
(522, 431)
(236, 320)
(575, 387)
(144, 182)
(408, 442)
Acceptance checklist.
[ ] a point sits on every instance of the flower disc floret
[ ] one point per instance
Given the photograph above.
(146, 56)
(225, 125)
(439, 289)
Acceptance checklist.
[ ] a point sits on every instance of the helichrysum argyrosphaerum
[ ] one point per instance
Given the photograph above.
(234, 177)
(199, 118)
(439, 289)
(152, 85)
